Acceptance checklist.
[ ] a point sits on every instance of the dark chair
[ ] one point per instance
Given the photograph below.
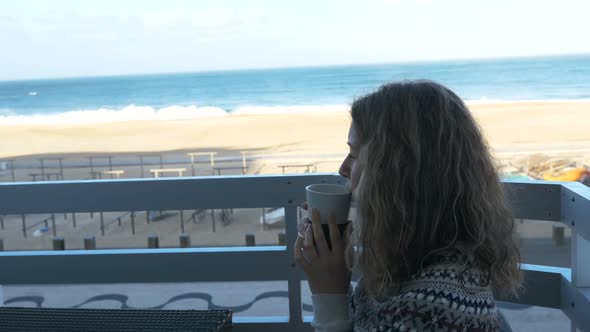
(119, 320)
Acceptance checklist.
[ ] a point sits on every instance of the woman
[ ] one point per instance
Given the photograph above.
(432, 236)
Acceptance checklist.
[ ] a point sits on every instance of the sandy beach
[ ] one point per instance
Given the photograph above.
(511, 128)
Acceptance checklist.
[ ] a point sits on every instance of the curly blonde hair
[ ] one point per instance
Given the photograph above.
(428, 184)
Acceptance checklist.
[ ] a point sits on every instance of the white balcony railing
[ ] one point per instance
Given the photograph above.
(560, 288)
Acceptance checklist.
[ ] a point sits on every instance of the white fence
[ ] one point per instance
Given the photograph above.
(567, 203)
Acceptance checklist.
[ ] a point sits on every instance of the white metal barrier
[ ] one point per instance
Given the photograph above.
(565, 289)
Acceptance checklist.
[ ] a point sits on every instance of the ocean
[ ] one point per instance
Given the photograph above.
(193, 95)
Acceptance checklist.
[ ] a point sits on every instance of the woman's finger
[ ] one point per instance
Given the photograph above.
(318, 232)
(298, 254)
(334, 233)
(309, 249)
(301, 227)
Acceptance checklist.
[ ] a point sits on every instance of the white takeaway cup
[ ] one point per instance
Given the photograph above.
(328, 198)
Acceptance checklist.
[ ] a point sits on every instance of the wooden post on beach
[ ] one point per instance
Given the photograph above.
(91, 165)
(59, 243)
(2, 222)
(119, 221)
(213, 219)
(558, 234)
(24, 219)
(250, 240)
(61, 168)
(147, 217)
(53, 225)
(282, 239)
(90, 243)
(42, 168)
(153, 242)
(185, 240)
(132, 222)
(264, 218)
(11, 163)
(141, 164)
(192, 164)
(74, 219)
(244, 167)
(102, 223)
(1, 244)
(181, 221)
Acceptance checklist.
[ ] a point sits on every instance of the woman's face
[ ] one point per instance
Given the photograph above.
(351, 167)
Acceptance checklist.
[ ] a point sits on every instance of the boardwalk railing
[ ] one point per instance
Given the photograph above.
(546, 286)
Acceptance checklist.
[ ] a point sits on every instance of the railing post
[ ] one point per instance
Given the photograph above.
(1, 249)
(24, 220)
(575, 206)
(575, 213)
(181, 221)
(74, 219)
(580, 261)
(213, 219)
(294, 283)
(53, 225)
(132, 215)
(102, 223)
(2, 222)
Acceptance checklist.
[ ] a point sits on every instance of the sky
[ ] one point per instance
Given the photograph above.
(70, 38)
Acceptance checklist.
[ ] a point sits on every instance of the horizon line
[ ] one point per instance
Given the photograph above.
(242, 69)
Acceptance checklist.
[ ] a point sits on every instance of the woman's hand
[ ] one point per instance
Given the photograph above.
(325, 269)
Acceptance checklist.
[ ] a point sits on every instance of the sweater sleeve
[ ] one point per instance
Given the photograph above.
(330, 312)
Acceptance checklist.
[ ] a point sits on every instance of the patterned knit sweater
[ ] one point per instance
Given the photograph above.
(447, 295)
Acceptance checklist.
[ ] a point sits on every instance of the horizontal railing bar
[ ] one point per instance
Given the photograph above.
(542, 287)
(535, 200)
(147, 266)
(270, 324)
(157, 194)
(530, 199)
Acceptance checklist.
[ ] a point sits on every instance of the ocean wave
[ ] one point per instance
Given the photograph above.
(250, 110)
(485, 100)
(149, 113)
(9, 117)
(105, 115)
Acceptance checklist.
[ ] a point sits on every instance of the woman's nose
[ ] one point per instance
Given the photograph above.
(344, 169)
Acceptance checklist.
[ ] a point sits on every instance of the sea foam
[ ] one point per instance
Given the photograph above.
(149, 113)
(105, 115)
